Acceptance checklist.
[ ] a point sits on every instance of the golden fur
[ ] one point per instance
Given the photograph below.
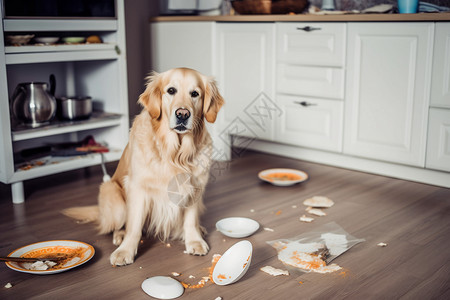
(160, 179)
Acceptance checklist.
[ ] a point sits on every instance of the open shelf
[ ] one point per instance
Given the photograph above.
(51, 165)
(60, 53)
(22, 132)
(67, 24)
(37, 48)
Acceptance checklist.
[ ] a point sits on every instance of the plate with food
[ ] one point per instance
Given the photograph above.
(51, 256)
(282, 177)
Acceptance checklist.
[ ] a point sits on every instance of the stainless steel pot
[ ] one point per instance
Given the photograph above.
(74, 108)
(34, 102)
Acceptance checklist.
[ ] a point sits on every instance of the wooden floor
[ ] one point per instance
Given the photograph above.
(412, 218)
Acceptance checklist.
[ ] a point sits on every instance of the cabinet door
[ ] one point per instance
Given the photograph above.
(246, 78)
(313, 123)
(387, 91)
(440, 83)
(438, 148)
(182, 44)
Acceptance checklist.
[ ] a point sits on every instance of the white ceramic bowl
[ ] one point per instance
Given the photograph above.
(233, 264)
(237, 227)
(48, 40)
(162, 287)
(283, 177)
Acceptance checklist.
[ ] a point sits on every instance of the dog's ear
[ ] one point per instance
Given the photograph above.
(212, 102)
(151, 98)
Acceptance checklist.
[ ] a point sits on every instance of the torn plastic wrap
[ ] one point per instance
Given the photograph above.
(313, 251)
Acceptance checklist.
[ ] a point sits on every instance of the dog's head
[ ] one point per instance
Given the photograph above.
(182, 97)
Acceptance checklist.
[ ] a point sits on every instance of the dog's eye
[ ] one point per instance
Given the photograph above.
(194, 94)
(171, 91)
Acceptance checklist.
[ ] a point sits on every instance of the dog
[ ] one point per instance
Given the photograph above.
(161, 176)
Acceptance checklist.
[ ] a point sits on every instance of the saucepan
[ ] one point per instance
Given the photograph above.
(74, 108)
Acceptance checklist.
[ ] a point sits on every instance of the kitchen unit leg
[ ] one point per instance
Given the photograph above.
(17, 192)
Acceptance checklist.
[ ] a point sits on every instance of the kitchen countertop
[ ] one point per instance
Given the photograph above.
(421, 17)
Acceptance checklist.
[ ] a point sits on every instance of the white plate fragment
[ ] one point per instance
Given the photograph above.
(274, 271)
(318, 201)
(306, 219)
(316, 211)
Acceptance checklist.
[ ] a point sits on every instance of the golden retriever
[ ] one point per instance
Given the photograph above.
(160, 179)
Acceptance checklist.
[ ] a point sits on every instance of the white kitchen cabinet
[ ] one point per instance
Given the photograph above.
(438, 147)
(387, 91)
(440, 80)
(97, 70)
(245, 64)
(313, 123)
(189, 45)
(310, 84)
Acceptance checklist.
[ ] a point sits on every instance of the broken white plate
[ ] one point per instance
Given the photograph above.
(233, 264)
(237, 227)
(162, 287)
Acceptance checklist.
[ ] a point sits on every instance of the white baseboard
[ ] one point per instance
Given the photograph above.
(433, 177)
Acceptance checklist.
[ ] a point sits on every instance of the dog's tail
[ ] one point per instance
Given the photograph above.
(109, 216)
(84, 214)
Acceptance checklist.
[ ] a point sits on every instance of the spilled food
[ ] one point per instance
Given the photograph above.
(204, 279)
(65, 255)
(310, 257)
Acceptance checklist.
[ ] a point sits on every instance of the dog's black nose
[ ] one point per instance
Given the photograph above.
(182, 114)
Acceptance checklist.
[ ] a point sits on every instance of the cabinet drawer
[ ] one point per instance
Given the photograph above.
(438, 146)
(320, 44)
(310, 81)
(312, 123)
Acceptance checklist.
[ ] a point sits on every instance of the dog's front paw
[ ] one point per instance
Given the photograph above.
(199, 247)
(118, 237)
(122, 257)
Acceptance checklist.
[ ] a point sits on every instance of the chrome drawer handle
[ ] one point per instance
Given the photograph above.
(308, 28)
(304, 103)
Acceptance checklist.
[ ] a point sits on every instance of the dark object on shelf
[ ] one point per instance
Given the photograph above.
(74, 108)
(34, 102)
(83, 147)
(60, 8)
(265, 7)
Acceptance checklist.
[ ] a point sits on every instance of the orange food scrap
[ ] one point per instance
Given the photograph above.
(282, 176)
(278, 213)
(221, 276)
(301, 282)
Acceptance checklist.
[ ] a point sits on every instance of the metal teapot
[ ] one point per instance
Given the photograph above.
(34, 103)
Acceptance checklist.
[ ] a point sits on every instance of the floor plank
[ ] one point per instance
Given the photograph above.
(412, 218)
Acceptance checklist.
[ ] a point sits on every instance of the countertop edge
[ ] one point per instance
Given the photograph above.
(420, 17)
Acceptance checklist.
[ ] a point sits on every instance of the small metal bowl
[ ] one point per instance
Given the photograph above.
(74, 108)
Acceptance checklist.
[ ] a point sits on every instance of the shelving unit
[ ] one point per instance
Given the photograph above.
(97, 70)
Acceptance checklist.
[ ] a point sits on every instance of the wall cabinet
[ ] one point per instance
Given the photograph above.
(387, 91)
(97, 70)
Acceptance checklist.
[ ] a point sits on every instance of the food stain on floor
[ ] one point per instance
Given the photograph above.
(204, 279)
